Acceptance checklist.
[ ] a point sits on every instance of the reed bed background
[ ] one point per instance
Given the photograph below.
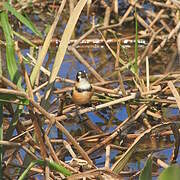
(131, 51)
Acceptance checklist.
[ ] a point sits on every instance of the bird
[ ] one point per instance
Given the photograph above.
(82, 90)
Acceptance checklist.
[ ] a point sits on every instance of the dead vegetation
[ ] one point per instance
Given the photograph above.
(122, 50)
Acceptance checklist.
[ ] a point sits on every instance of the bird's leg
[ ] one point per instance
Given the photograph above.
(90, 104)
(74, 113)
(77, 113)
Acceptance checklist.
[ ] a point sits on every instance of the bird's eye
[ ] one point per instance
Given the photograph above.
(79, 73)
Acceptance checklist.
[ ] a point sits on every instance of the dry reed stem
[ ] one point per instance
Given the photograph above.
(175, 93)
(76, 43)
(106, 19)
(107, 161)
(46, 44)
(83, 61)
(155, 22)
(62, 48)
(69, 148)
(110, 49)
(35, 119)
(147, 74)
(93, 137)
(21, 134)
(74, 142)
(100, 172)
(101, 106)
(117, 167)
(141, 59)
(143, 23)
(115, 6)
(39, 133)
(167, 5)
(158, 15)
(175, 151)
(24, 72)
(55, 157)
(160, 162)
(162, 44)
(10, 144)
(119, 72)
(154, 115)
(178, 46)
(29, 152)
(119, 129)
(121, 21)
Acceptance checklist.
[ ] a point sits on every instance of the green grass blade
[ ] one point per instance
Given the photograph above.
(52, 165)
(59, 168)
(10, 52)
(24, 174)
(63, 46)
(22, 19)
(14, 122)
(56, 167)
(172, 173)
(146, 173)
(24, 39)
(5, 98)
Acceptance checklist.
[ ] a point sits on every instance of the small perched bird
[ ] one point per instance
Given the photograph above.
(82, 91)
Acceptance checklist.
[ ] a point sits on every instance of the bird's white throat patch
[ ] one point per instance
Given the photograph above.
(84, 84)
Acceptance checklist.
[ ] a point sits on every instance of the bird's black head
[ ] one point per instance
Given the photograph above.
(80, 75)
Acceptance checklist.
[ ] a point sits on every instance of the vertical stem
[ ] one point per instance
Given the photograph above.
(136, 43)
(1, 123)
(147, 73)
(1, 138)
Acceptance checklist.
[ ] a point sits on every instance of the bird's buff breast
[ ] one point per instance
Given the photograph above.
(81, 97)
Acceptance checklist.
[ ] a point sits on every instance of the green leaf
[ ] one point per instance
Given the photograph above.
(22, 19)
(5, 98)
(14, 121)
(10, 52)
(24, 39)
(172, 173)
(132, 67)
(57, 167)
(51, 164)
(24, 174)
(146, 173)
